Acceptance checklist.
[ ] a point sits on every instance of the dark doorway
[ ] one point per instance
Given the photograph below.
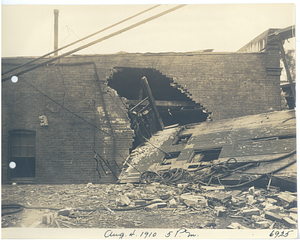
(22, 154)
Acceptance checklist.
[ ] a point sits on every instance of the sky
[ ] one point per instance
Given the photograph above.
(28, 29)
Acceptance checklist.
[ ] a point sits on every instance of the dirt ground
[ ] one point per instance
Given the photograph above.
(98, 206)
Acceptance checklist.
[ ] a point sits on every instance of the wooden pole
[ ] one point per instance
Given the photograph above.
(152, 101)
(288, 74)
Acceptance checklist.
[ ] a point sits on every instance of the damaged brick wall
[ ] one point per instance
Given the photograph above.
(64, 148)
(227, 84)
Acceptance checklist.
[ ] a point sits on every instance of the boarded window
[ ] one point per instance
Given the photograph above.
(22, 154)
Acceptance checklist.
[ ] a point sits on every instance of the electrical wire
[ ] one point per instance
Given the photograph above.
(213, 173)
(77, 117)
(106, 114)
(64, 94)
(96, 41)
(63, 41)
(102, 30)
(77, 36)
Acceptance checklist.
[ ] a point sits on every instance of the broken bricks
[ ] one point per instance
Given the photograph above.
(250, 212)
(165, 196)
(47, 218)
(251, 200)
(139, 202)
(175, 205)
(262, 224)
(272, 208)
(122, 200)
(219, 196)
(236, 225)
(273, 216)
(193, 200)
(288, 199)
(289, 222)
(293, 216)
(65, 212)
(155, 206)
(172, 203)
(220, 211)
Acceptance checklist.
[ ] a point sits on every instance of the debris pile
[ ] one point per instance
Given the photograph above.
(152, 205)
(208, 172)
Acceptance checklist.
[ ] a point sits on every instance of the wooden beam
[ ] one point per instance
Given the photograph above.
(141, 93)
(147, 89)
(139, 103)
(288, 74)
(160, 103)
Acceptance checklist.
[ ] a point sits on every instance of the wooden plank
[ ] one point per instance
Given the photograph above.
(147, 89)
(138, 104)
(160, 103)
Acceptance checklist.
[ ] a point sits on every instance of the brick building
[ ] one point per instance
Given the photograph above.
(85, 100)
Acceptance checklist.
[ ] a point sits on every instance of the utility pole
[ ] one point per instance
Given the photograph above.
(56, 11)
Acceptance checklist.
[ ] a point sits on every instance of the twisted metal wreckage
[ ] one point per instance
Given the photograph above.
(251, 150)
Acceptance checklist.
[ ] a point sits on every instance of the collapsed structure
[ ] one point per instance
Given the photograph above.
(232, 153)
(78, 120)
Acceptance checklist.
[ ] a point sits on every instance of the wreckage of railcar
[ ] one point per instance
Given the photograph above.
(252, 150)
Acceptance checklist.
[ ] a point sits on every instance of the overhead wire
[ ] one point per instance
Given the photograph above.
(80, 40)
(69, 29)
(96, 41)
(64, 94)
(76, 115)
(64, 40)
(82, 47)
(78, 37)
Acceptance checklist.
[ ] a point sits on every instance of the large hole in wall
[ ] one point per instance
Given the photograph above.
(172, 101)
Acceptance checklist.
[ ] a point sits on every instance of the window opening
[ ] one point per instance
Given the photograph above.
(170, 158)
(205, 155)
(22, 154)
(182, 139)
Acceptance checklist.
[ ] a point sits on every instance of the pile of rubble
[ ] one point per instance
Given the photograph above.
(259, 208)
(128, 205)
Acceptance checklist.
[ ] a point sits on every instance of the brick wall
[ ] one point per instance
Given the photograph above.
(226, 84)
(64, 148)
